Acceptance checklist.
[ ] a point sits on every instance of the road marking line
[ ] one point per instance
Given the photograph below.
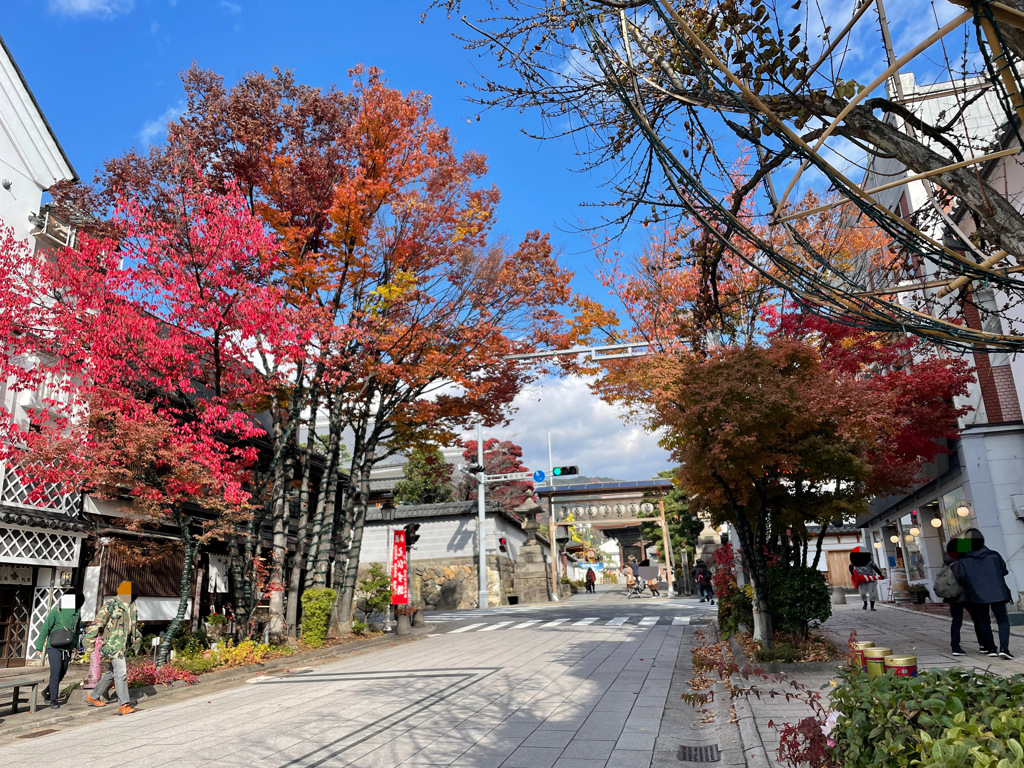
(584, 622)
(617, 621)
(554, 623)
(649, 621)
(499, 625)
(680, 620)
(465, 628)
(526, 624)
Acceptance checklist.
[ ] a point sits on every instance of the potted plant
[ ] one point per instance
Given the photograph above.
(920, 592)
(216, 623)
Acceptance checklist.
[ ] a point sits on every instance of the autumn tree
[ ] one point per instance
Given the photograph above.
(409, 309)
(428, 478)
(139, 344)
(500, 457)
(658, 95)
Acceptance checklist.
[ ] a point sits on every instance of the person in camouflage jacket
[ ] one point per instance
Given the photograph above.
(118, 626)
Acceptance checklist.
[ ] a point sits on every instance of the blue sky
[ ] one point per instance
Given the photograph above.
(105, 73)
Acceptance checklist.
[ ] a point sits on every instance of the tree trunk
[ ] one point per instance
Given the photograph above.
(319, 558)
(757, 570)
(276, 626)
(299, 556)
(347, 592)
(163, 652)
(818, 546)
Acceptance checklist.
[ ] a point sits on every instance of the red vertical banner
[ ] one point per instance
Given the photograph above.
(399, 570)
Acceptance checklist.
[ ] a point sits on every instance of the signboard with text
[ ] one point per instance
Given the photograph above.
(399, 570)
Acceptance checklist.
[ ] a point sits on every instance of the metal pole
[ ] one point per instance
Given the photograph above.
(481, 531)
(552, 528)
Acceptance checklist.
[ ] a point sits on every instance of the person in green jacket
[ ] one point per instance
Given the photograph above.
(64, 620)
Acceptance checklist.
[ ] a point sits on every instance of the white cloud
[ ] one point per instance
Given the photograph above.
(233, 8)
(108, 8)
(585, 431)
(154, 129)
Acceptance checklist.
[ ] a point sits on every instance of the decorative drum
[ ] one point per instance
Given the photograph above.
(901, 666)
(857, 654)
(874, 660)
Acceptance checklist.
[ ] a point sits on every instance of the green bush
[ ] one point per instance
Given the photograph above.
(735, 607)
(317, 604)
(991, 739)
(190, 643)
(197, 665)
(887, 720)
(359, 627)
(376, 589)
(798, 596)
(786, 652)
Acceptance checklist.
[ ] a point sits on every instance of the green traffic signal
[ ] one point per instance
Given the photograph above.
(562, 471)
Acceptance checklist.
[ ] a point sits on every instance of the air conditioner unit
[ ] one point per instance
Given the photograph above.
(55, 230)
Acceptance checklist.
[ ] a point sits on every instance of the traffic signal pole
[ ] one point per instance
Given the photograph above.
(481, 539)
(552, 528)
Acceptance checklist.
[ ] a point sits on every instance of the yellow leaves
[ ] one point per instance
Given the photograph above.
(471, 221)
(387, 295)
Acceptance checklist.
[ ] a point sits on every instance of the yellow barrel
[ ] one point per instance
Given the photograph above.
(874, 660)
(857, 653)
(901, 666)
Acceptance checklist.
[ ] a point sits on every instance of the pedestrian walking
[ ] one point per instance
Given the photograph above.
(590, 579)
(60, 635)
(701, 576)
(863, 572)
(946, 587)
(118, 625)
(981, 572)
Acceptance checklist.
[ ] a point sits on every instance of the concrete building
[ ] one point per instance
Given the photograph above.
(40, 538)
(981, 483)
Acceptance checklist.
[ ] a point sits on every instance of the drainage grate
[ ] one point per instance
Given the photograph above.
(37, 734)
(705, 754)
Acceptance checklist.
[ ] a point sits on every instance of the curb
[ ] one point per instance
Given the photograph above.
(754, 751)
(175, 692)
(1015, 630)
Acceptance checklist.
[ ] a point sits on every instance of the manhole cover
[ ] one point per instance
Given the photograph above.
(708, 754)
(37, 734)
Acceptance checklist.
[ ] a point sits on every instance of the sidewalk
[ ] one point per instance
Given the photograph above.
(890, 626)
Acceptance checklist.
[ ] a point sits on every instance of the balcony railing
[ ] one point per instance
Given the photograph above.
(15, 492)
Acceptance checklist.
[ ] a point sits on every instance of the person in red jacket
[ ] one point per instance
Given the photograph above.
(863, 571)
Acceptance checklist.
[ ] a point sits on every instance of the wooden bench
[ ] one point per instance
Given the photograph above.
(17, 682)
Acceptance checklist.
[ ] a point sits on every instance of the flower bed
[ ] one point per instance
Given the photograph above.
(789, 650)
(148, 673)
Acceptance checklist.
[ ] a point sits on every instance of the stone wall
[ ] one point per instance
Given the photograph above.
(452, 583)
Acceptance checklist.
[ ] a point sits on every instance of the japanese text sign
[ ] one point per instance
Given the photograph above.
(399, 570)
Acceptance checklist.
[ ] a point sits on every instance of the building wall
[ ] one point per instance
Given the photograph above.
(444, 537)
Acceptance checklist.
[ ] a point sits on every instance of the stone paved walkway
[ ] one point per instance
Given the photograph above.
(568, 697)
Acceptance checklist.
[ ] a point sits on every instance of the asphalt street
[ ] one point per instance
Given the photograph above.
(582, 683)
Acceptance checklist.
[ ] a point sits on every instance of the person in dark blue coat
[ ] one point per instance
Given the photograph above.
(981, 571)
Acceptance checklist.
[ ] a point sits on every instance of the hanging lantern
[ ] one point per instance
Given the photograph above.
(936, 522)
(963, 510)
(915, 531)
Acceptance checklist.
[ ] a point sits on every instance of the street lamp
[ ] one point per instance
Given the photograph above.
(387, 514)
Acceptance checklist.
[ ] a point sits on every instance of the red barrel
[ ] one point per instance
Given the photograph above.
(901, 666)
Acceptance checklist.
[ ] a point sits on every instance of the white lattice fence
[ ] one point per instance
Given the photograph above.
(30, 547)
(15, 492)
(40, 607)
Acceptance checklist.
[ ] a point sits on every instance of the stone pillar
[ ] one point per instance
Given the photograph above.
(532, 584)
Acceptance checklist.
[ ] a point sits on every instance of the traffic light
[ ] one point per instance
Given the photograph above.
(563, 471)
(411, 537)
(503, 544)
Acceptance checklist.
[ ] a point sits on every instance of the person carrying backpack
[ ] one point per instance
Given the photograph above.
(981, 572)
(59, 635)
(701, 575)
(591, 579)
(946, 587)
(117, 624)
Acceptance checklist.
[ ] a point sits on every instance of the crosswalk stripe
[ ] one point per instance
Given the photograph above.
(618, 621)
(526, 624)
(648, 621)
(680, 620)
(466, 628)
(554, 623)
(584, 622)
(499, 625)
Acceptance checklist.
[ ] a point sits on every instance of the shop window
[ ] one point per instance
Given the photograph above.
(951, 502)
(913, 557)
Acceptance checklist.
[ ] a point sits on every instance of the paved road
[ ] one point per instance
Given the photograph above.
(582, 684)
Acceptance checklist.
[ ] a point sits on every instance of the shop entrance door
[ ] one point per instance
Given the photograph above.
(15, 610)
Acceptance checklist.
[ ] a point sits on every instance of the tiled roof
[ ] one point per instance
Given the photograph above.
(40, 519)
(406, 512)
